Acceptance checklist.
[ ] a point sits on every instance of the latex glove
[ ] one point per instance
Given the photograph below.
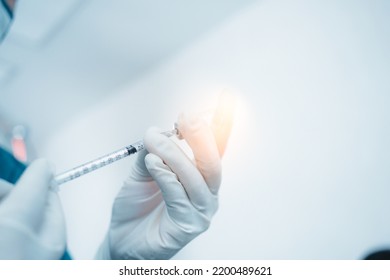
(31, 219)
(168, 199)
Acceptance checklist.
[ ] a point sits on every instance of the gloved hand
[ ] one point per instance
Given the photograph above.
(168, 199)
(31, 219)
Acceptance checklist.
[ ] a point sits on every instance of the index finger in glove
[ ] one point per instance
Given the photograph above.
(200, 138)
(28, 199)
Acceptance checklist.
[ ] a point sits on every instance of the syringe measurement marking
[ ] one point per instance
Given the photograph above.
(102, 161)
(95, 164)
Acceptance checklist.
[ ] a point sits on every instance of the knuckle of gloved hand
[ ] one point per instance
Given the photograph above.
(200, 223)
(210, 208)
(213, 207)
(205, 205)
(155, 142)
(191, 223)
(205, 222)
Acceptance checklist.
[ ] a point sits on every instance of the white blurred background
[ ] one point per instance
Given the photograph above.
(306, 174)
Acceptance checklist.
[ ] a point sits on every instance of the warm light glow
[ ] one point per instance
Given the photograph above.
(223, 119)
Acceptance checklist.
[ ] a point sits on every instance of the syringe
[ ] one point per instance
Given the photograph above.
(104, 160)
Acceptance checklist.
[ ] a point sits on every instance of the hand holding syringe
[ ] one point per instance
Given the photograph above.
(222, 124)
(104, 160)
(168, 198)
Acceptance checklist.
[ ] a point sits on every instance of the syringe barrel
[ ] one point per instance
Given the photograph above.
(103, 161)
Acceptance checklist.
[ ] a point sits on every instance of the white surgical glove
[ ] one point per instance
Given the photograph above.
(31, 219)
(168, 199)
